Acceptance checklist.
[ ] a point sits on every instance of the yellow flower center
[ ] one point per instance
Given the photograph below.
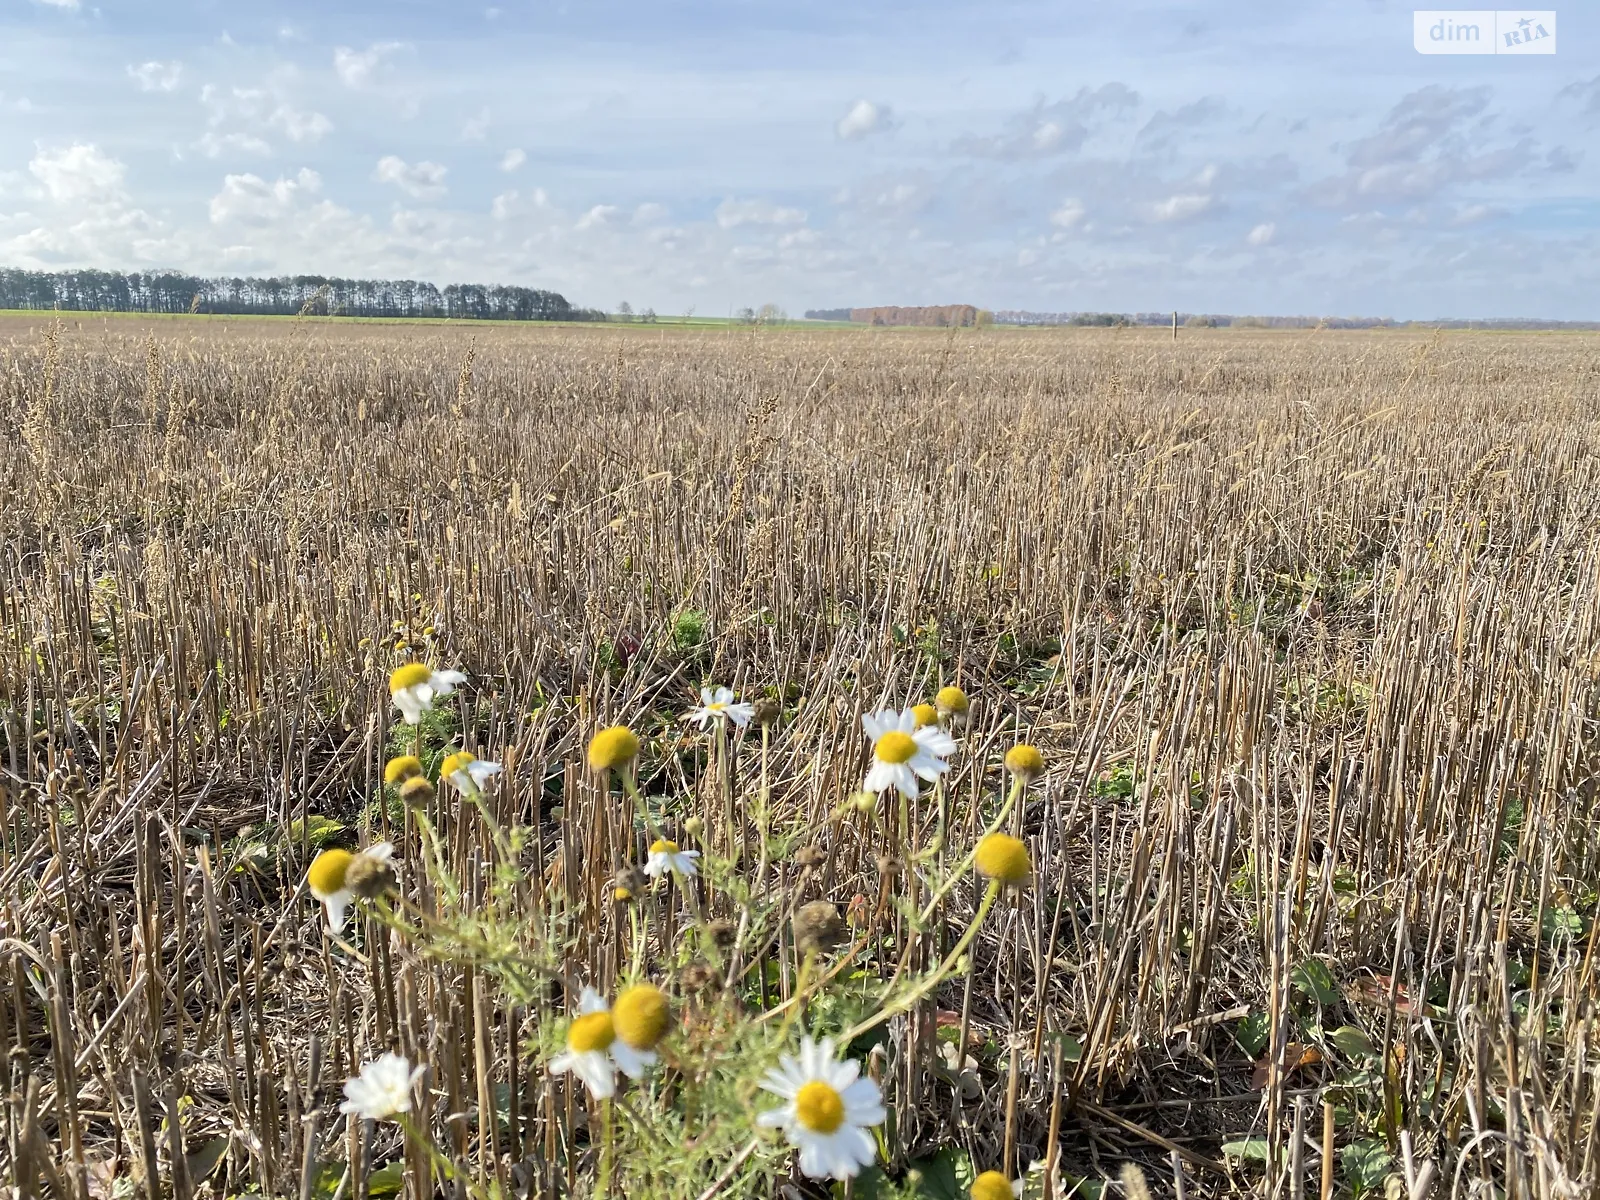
(614, 747)
(640, 1016)
(663, 847)
(458, 761)
(1025, 760)
(327, 872)
(1003, 857)
(408, 676)
(398, 770)
(991, 1185)
(592, 1031)
(716, 706)
(895, 747)
(951, 700)
(818, 1107)
(927, 715)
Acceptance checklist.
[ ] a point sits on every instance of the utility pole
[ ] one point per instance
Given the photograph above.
(1174, 324)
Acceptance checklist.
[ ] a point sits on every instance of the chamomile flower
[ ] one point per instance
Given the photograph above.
(827, 1112)
(414, 686)
(719, 706)
(466, 773)
(382, 1089)
(1003, 858)
(589, 1041)
(901, 752)
(613, 749)
(665, 856)
(926, 714)
(639, 1019)
(992, 1185)
(337, 877)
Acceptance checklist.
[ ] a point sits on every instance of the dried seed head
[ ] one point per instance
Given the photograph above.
(417, 791)
(817, 927)
(369, 877)
(633, 881)
(889, 866)
(722, 933)
(810, 857)
(698, 977)
(767, 711)
(1133, 1185)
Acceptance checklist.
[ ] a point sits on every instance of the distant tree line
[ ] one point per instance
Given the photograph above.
(288, 295)
(827, 314)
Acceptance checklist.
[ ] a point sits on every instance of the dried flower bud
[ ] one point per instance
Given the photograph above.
(695, 827)
(817, 927)
(889, 866)
(722, 933)
(368, 877)
(810, 857)
(697, 977)
(417, 791)
(767, 711)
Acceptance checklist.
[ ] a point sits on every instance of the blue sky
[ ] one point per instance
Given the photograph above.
(1248, 158)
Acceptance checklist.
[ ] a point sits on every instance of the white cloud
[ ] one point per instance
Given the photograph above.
(1262, 234)
(1069, 214)
(357, 67)
(1180, 207)
(67, 4)
(733, 213)
(156, 76)
(864, 118)
(251, 113)
(476, 128)
(215, 145)
(600, 214)
(423, 180)
(251, 200)
(80, 172)
(649, 214)
(512, 160)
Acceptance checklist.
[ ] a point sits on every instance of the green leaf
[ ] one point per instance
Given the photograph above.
(1366, 1164)
(387, 1180)
(948, 1175)
(1250, 1149)
(1252, 1034)
(1353, 1043)
(1313, 980)
(1559, 923)
(318, 831)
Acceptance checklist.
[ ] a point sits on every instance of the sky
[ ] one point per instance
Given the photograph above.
(1052, 155)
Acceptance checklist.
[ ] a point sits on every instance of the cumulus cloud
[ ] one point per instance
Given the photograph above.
(649, 213)
(156, 76)
(1165, 130)
(864, 118)
(1262, 234)
(251, 200)
(732, 213)
(422, 180)
(356, 68)
(1049, 129)
(1069, 215)
(512, 160)
(239, 118)
(476, 128)
(1434, 139)
(79, 172)
(1182, 207)
(600, 214)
